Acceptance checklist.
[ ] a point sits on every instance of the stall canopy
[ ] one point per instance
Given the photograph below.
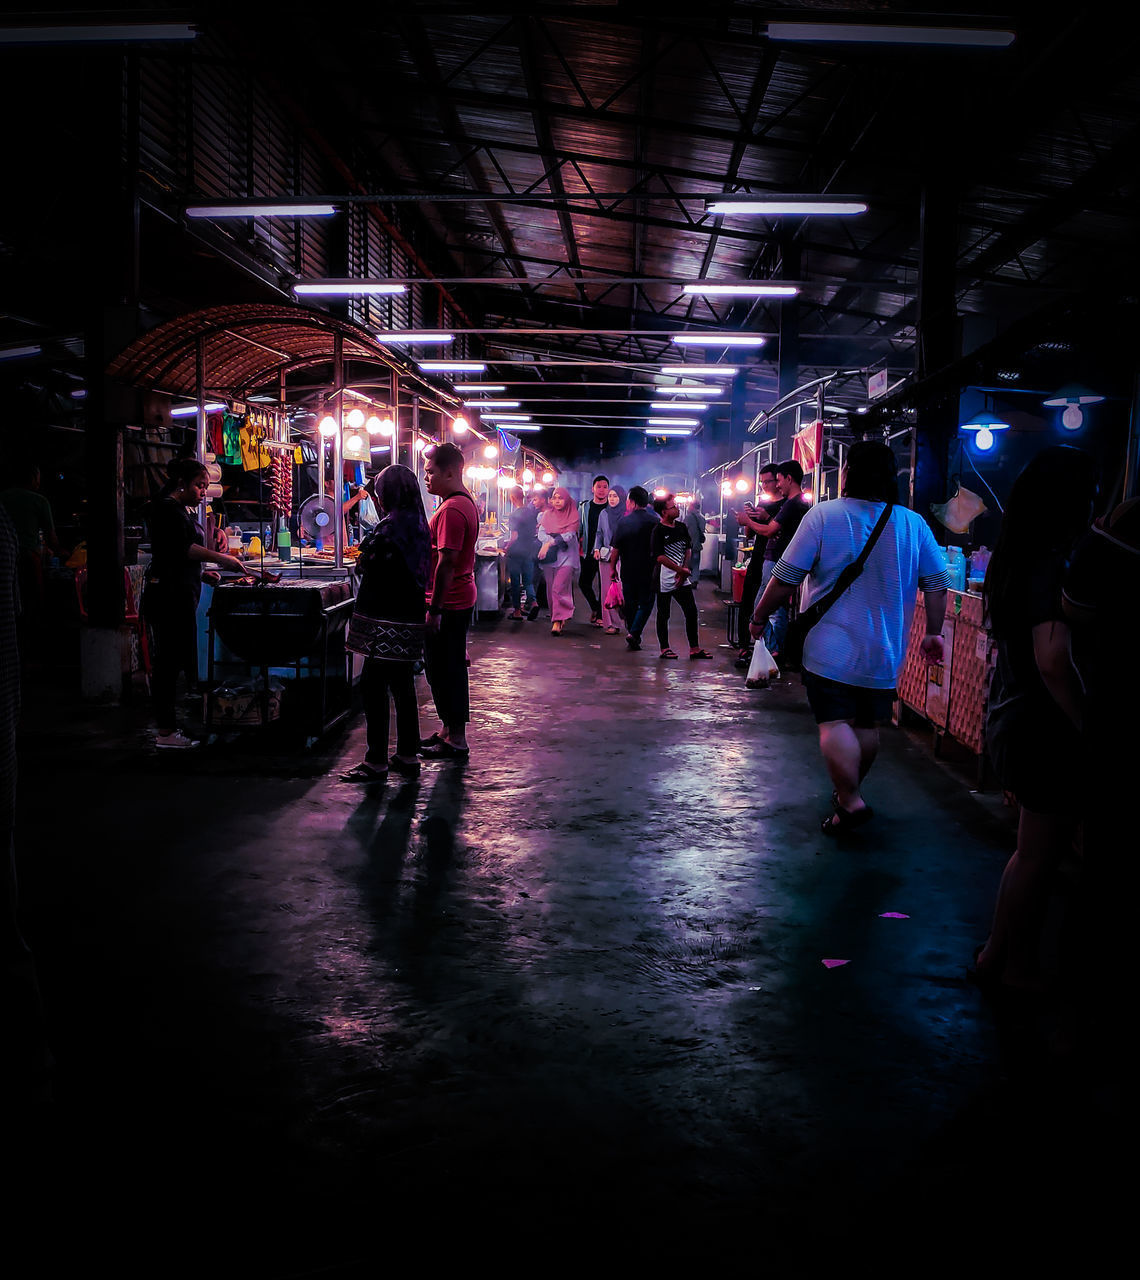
(245, 346)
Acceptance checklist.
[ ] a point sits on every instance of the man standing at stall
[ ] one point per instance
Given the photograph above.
(779, 532)
(451, 601)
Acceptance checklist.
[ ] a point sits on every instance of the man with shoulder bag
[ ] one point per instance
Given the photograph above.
(860, 560)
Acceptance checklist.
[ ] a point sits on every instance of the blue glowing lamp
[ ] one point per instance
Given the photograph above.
(984, 425)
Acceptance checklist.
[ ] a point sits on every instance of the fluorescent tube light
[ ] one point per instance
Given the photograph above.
(690, 407)
(668, 431)
(689, 391)
(710, 290)
(672, 422)
(343, 287)
(113, 33)
(188, 410)
(522, 426)
(701, 370)
(413, 335)
(261, 209)
(480, 386)
(16, 353)
(506, 417)
(857, 33)
(491, 404)
(718, 339)
(784, 206)
(452, 366)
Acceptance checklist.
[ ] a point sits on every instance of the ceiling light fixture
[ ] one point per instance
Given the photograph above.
(866, 33)
(342, 288)
(701, 370)
(985, 421)
(690, 391)
(17, 353)
(188, 410)
(481, 386)
(112, 33)
(718, 339)
(672, 422)
(668, 431)
(412, 335)
(491, 404)
(784, 206)
(524, 426)
(506, 417)
(692, 406)
(708, 289)
(262, 209)
(452, 366)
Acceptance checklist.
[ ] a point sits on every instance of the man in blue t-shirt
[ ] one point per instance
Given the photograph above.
(853, 655)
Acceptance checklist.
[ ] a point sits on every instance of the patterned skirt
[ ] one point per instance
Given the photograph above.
(383, 638)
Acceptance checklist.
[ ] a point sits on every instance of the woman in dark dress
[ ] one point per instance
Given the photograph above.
(1035, 721)
(387, 627)
(173, 588)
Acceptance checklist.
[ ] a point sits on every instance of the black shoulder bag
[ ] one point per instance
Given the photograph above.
(803, 622)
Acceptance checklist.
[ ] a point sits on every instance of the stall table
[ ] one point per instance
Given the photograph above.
(952, 697)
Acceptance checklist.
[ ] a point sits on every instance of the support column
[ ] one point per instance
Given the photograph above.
(112, 323)
(789, 357)
(937, 345)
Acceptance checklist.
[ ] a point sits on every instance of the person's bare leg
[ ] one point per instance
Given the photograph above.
(843, 754)
(1013, 948)
(868, 750)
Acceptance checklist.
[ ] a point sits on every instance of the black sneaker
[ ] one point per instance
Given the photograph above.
(633, 642)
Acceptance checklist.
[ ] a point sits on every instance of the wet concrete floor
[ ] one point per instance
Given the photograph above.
(576, 988)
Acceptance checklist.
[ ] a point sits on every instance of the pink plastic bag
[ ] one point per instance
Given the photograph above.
(614, 597)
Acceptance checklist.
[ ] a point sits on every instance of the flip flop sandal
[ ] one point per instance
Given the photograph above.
(430, 742)
(613, 631)
(700, 653)
(843, 820)
(445, 751)
(668, 653)
(364, 773)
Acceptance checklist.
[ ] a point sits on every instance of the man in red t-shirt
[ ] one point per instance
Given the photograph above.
(451, 601)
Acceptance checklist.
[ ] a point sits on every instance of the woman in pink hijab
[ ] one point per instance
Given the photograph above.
(558, 555)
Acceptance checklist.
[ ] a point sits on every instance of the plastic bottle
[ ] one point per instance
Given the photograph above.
(284, 544)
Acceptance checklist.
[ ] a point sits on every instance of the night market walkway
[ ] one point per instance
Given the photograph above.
(580, 987)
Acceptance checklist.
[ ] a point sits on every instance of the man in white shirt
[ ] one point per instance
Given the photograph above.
(853, 655)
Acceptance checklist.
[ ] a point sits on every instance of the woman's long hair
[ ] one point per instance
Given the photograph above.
(403, 522)
(1048, 508)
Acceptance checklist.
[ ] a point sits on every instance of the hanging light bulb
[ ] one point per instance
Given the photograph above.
(372, 426)
(355, 419)
(327, 425)
(984, 439)
(548, 477)
(1073, 417)
(354, 442)
(528, 476)
(743, 484)
(459, 424)
(420, 444)
(726, 487)
(491, 451)
(387, 427)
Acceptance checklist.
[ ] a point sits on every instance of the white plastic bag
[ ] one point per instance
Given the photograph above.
(762, 667)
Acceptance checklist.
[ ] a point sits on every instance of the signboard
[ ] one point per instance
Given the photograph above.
(807, 447)
(877, 385)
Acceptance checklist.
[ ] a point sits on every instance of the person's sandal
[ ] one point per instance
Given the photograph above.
(743, 658)
(613, 631)
(668, 653)
(364, 773)
(843, 821)
(698, 654)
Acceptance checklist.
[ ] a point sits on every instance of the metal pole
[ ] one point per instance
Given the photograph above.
(338, 450)
(200, 418)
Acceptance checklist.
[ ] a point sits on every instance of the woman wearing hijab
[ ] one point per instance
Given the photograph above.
(604, 553)
(387, 627)
(558, 555)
